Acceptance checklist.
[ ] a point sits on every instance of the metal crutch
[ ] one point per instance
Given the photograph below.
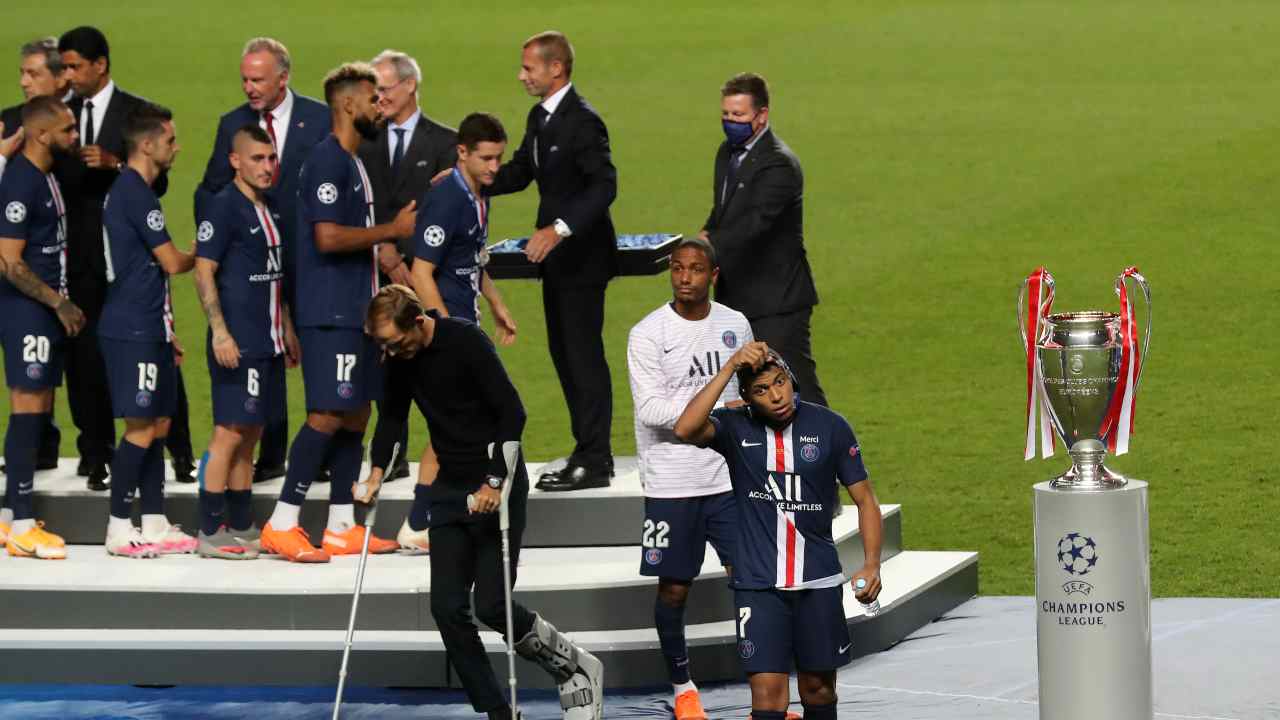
(355, 598)
(511, 454)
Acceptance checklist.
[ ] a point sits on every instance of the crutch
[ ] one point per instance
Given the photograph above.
(355, 598)
(511, 454)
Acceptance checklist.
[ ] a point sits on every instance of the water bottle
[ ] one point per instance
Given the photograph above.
(870, 609)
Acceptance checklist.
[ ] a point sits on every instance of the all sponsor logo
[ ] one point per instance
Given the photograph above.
(809, 452)
(730, 339)
(653, 556)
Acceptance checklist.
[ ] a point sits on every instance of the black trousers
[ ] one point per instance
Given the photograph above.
(575, 327)
(465, 555)
(788, 334)
(178, 441)
(87, 373)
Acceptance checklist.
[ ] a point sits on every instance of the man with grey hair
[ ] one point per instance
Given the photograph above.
(40, 73)
(407, 153)
(295, 123)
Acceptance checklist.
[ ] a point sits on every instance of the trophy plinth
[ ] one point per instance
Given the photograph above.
(1087, 471)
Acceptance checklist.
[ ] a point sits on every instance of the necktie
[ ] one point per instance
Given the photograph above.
(730, 178)
(397, 150)
(269, 119)
(546, 118)
(87, 137)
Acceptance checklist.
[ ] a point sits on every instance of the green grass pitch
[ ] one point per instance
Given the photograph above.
(949, 148)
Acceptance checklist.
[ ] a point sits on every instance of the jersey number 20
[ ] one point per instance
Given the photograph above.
(35, 348)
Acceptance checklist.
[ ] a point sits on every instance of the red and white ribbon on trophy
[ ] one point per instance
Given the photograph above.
(1039, 289)
(1118, 425)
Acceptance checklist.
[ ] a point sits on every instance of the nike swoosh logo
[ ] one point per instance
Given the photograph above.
(49, 204)
(667, 350)
(747, 444)
(358, 186)
(254, 230)
(844, 649)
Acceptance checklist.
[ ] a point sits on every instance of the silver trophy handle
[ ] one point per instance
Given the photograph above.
(1041, 307)
(1146, 334)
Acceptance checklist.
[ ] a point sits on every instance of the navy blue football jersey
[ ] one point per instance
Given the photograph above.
(333, 288)
(451, 232)
(783, 482)
(34, 212)
(244, 239)
(138, 304)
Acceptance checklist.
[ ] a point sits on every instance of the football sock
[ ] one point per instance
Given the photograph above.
(820, 712)
(20, 443)
(126, 466)
(670, 624)
(420, 512)
(306, 458)
(239, 509)
(768, 714)
(117, 525)
(22, 526)
(212, 506)
(345, 455)
(341, 517)
(151, 487)
(683, 688)
(153, 526)
(6, 516)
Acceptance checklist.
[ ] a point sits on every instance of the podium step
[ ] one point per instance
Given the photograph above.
(918, 587)
(587, 588)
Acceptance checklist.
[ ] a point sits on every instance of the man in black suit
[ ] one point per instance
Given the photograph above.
(295, 123)
(40, 74)
(566, 150)
(757, 227)
(408, 152)
(100, 109)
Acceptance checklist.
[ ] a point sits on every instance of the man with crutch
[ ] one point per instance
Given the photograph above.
(450, 369)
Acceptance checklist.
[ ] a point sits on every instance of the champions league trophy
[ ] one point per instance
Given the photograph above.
(1093, 580)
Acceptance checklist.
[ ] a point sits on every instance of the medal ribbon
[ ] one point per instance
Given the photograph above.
(1039, 302)
(1118, 425)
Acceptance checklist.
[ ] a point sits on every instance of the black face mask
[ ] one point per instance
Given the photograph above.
(368, 128)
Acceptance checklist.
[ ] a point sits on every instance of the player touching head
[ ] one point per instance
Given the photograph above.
(783, 455)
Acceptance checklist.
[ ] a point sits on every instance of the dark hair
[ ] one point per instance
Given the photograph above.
(41, 107)
(397, 303)
(698, 244)
(480, 127)
(345, 76)
(88, 41)
(552, 45)
(746, 375)
(48, 47)
(255, 133)
(748, 84)
(142, 122)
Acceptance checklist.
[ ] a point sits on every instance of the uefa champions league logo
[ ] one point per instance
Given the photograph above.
(1077, 555)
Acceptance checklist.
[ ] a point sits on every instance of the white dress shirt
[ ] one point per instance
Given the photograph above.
(280, 117)
(100, 102)
(409, 126)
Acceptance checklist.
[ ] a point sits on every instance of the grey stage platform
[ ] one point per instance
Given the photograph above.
(186, 620)
(80, 515)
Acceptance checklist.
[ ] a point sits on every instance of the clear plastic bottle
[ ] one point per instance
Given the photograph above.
(870, 609)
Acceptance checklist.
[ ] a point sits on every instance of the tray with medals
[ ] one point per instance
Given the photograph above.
(641, 254)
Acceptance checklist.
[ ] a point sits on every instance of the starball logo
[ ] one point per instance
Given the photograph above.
(1077, 556)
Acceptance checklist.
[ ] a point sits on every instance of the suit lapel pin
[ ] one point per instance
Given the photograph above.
(301, 123)
(422, 163)
(553, 148)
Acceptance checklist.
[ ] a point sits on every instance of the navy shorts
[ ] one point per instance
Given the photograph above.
(33, 342)
(676, 531)
(142, 377)
(781, 628)
(341, 368)
(252, 394)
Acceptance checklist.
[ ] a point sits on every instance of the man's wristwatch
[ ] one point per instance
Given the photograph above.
(495, 482)
(562, 228)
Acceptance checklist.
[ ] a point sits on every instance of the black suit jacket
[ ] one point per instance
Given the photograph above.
(569, 159)
(309, 123)
(432, 148)
(12, 119)
(85, 188)
(757, 227)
